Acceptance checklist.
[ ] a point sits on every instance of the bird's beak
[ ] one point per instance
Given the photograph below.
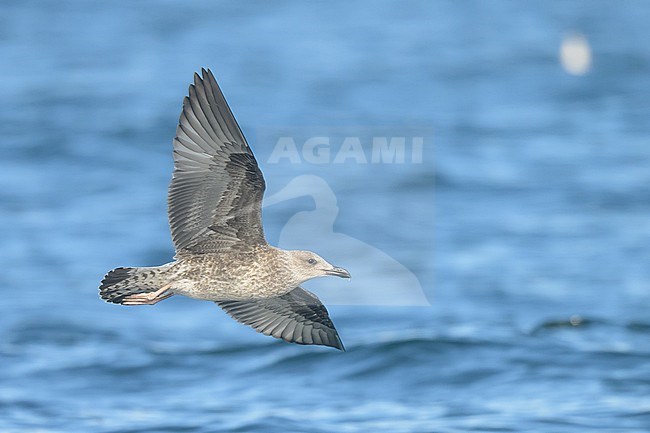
(338, 272)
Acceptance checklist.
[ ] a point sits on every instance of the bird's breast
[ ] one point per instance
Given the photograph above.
(230, 277)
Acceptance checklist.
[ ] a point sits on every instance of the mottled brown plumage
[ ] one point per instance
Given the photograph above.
(215, 201)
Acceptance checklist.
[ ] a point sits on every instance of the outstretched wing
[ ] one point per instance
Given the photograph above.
(296, 317)
(216, 191)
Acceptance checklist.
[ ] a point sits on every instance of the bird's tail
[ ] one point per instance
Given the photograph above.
(132, 286)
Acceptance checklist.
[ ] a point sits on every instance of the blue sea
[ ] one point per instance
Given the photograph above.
(501, 273)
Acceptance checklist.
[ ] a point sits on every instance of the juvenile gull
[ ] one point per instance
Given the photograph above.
(214, 207)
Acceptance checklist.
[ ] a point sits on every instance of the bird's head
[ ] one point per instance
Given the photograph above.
(306, 265)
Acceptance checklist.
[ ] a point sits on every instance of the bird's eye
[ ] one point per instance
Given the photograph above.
(311, 261)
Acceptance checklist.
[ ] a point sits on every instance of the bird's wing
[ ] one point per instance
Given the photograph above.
(216, 191)
(296, 317)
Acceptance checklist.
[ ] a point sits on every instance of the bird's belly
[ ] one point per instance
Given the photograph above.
(223, 290)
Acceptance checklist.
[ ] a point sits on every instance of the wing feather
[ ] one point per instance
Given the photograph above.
(297, 317)
(217, 187)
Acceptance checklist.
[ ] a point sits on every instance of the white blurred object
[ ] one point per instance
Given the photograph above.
(575, 54)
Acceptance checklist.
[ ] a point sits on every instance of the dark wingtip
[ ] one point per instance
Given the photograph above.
(336, 344)
(332, 340)
(207, 73)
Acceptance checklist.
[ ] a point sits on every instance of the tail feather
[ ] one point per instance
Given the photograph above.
(122, 282)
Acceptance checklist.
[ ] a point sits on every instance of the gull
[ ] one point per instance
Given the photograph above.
(214, 209)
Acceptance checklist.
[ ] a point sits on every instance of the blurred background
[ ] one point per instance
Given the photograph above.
(526, 223)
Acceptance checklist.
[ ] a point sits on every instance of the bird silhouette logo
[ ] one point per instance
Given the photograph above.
(369, 264)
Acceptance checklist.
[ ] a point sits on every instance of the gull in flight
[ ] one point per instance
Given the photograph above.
(214, 207)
